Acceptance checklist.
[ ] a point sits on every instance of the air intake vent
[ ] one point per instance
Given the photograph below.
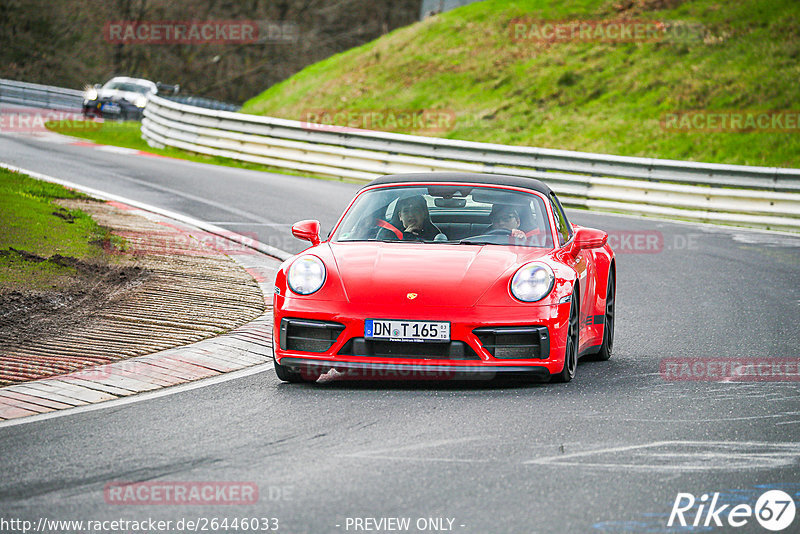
(307, 335)
(515, 342)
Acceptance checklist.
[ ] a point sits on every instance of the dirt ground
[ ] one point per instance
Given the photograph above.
(166, 288)
(27, 315)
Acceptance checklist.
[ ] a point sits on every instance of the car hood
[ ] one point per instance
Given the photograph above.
(116, 95)
(439, 275)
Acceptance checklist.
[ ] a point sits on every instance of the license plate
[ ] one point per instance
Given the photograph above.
(394, 330)
(110, 107)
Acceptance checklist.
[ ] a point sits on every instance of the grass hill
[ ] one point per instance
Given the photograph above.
(485, 69)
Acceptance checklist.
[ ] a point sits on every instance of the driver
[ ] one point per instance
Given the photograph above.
(505, 217)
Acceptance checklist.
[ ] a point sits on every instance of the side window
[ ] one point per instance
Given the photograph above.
(562, 224)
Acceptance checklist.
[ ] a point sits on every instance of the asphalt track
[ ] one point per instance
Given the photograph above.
(608, 452)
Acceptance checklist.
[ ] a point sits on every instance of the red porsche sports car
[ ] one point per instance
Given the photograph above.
(452, 273)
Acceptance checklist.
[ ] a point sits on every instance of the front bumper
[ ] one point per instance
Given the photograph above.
(409, 371)
(522, 339)
(112, 109)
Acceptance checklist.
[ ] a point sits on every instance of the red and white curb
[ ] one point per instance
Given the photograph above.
(245, 349)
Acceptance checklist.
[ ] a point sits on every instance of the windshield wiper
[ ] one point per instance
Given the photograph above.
(471, 241)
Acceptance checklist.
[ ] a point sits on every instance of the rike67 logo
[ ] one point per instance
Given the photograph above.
(774, 510)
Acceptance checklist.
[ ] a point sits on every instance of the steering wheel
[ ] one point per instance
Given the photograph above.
(499, 231)
(410, 236)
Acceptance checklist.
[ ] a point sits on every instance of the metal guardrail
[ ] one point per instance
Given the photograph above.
(46, 96)
(765, 197)
(40, 96)
(207, 103)
(762, 197)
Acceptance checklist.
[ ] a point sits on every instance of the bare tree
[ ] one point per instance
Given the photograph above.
(63, 43)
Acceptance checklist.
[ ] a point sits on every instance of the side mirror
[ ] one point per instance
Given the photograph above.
(307, 231)
(98, 86)
(586, 238)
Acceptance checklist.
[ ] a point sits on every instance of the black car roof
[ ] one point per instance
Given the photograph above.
(464, 177)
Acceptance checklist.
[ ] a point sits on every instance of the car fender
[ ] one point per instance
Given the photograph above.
(331, 290)
(499, 294)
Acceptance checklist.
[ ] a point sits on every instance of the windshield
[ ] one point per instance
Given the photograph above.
(447, 215)
(130, 87)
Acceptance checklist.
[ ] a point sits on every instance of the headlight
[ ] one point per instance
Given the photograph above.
(141, 101)
(91, 93)
(306, 275)
(532, 282)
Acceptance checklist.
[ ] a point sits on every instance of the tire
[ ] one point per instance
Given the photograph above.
(571, 348)
(286, 374)
(608, 332)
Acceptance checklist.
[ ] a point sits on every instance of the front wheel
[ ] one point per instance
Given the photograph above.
(571, 349)
(608, 331)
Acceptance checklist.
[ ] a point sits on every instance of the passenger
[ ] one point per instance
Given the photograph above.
(505, 218)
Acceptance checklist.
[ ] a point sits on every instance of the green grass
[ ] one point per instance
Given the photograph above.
(32, 224)
(588, 96)
(128, 135)
(123, 134)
